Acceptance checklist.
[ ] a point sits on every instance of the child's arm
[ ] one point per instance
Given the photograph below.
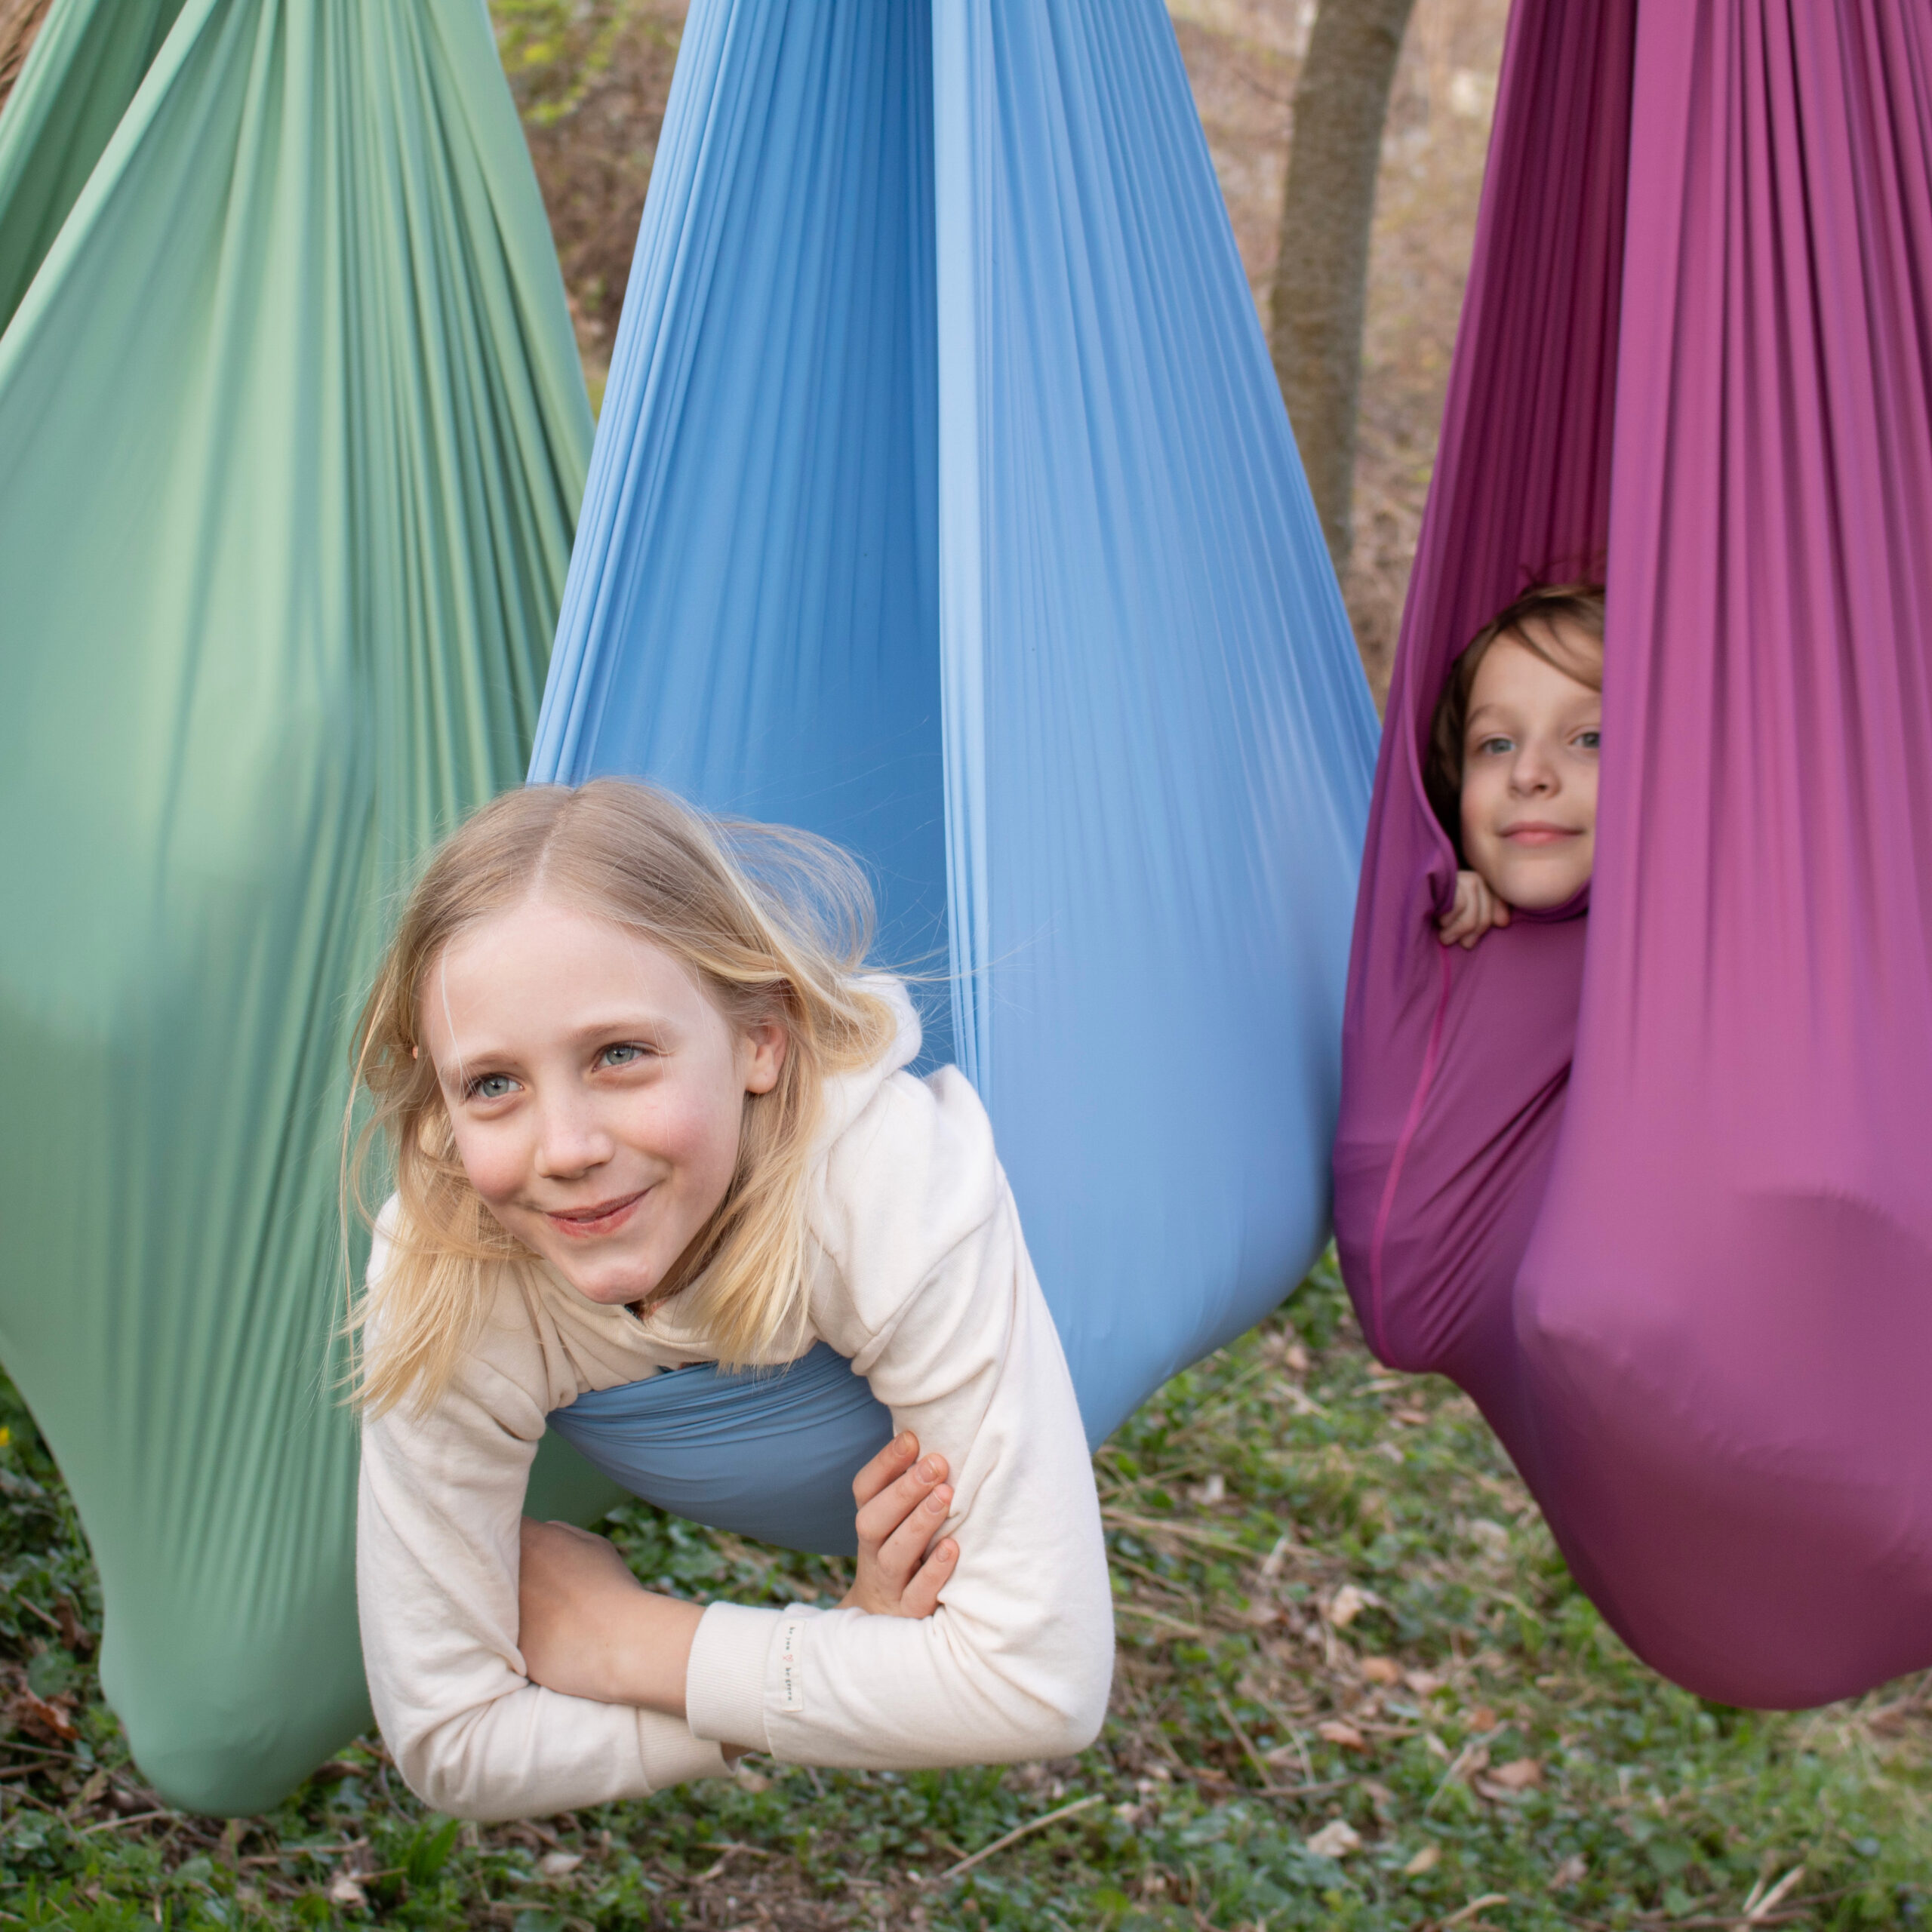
(436, 1557)
(589, 1629)
(928, 1287)
(1476, 909)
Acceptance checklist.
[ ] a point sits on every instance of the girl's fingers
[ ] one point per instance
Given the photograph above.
(899, 1556)
(883, 1515)
(920, 1596)
(891, 1463)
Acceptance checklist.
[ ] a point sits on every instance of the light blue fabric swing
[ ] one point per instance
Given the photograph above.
(943, 503)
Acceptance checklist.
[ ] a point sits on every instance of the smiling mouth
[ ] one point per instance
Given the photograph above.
(604, 1218)
(1539, 835)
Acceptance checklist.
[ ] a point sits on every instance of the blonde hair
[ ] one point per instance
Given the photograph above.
(773, 924)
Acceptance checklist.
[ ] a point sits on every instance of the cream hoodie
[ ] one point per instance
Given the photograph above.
(921, 1275)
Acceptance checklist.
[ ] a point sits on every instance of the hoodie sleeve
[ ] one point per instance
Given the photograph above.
(931, 1291)
(437, 1538)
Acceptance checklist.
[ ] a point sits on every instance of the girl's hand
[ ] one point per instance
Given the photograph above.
(902, 1502)
(1476, 909)
(588, 1628)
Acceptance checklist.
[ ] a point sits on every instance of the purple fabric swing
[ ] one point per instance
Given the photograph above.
(1655, 1184)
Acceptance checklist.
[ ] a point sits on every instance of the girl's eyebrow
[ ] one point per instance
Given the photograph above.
(650, 1025)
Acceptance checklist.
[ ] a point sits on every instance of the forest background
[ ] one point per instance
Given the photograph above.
(1356, 1686)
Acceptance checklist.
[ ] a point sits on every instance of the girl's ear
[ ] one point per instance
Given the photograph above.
(761, 1052)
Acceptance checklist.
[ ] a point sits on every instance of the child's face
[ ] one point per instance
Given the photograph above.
(1529, 773)
(595, 1091)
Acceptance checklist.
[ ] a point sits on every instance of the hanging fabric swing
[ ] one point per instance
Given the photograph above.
(942, 502)
(291, 435)
(1653, 1185)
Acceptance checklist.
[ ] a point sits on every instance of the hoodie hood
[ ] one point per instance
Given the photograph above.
(847, 1095)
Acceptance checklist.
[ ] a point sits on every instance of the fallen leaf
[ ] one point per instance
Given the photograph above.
(1481, 1718)
(559, 1864)
(1345, 1605)
(1519, 1774)
(1572, 1871)
(1338, 1730)
(1261, 1613)
(1296, 1357)
(1381, 1670)
(1336, 1839)
(344, 1890)
(753, 1781)
(1424, 1683)
(1426, 1860)
(50, 1718)
(1414, 1418)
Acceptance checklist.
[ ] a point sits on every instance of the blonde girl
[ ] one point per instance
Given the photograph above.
(645, 1108)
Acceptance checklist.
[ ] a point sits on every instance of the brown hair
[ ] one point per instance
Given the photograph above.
(1530, 621)
(774, 925)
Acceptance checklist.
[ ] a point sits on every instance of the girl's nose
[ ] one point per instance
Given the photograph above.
(1531, 773)
(570, 1143)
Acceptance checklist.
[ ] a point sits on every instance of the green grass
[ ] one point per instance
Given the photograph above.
(1461, 1709)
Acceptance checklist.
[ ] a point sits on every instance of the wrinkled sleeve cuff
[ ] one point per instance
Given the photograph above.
(731, 1662)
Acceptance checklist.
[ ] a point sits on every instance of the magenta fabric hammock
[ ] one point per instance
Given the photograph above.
(1655, 1184)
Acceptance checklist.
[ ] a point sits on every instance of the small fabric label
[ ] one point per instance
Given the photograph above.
(791, 1664)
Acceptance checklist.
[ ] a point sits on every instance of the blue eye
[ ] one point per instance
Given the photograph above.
(1496, 747)
(1589, 740)
(491, 1087)
(628, 1053)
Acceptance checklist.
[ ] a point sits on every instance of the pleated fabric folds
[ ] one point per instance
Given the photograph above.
(943, 501)
(1653, 1184)
(292, 433)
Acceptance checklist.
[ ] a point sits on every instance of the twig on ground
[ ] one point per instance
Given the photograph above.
(1124, 1519)
(727, 1848)
(1166, 1584)
(1194, 1630)
(115, 1824)
(1015, 1836)
(1262, 1767)
(1456, 1764)
(1475, 1906)
(1756, 1909)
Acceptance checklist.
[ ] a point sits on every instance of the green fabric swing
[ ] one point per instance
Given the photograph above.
(292, 436)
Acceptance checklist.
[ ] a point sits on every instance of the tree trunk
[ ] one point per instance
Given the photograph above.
(1321, 291)
(19, 21)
